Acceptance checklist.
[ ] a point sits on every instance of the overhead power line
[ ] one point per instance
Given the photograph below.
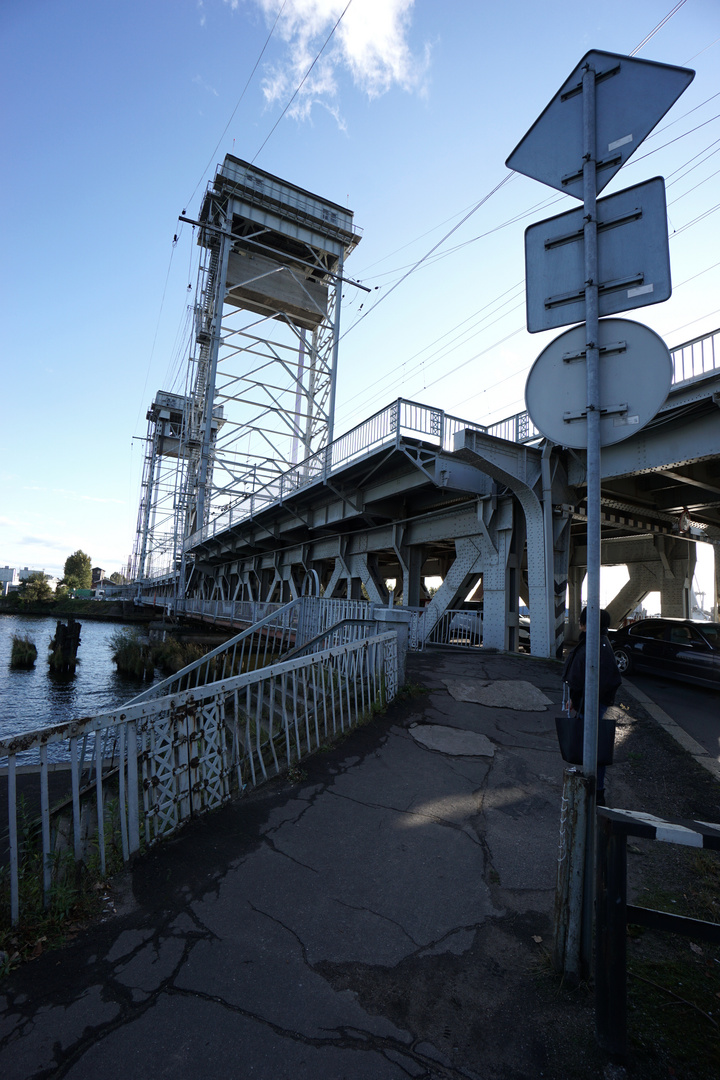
(418, 264)
(239, 101)
(302, 81)
(659, 26)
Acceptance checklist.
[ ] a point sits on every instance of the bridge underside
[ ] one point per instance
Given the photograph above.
(500, 523)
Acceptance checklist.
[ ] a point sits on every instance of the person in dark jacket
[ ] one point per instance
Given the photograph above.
(608, 680)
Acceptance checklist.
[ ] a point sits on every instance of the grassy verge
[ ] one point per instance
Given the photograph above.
(79, 892)
(674, 982)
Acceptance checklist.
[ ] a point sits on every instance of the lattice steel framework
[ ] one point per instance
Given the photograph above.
(156, 542)
(261, 375)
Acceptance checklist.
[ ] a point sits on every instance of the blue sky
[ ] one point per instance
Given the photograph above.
(115, 117)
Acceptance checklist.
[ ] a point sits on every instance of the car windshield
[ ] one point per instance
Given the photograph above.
(712, 634)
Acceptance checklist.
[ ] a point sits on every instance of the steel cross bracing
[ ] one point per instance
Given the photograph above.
(692, 362)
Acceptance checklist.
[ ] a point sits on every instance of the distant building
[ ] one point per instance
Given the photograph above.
(9, 580)
(26, 571)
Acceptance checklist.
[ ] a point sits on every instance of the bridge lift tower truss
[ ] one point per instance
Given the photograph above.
(267, 316)
(157, 548)
(260, 380)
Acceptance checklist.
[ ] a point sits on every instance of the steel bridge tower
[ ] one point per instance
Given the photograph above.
(157, 547)
(260, 380)
(267, 314)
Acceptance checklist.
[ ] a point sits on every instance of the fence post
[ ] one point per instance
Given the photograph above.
(610, 939)
(397, 619)
(570, 879)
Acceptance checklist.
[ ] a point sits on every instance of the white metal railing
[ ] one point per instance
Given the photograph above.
(180, 755)
(461, 627)
(455, 626)
(247, 611)
(696, 358)
(267, 640)
(401, 419)
(690, 361)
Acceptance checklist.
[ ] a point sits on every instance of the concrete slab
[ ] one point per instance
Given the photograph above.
(500, 694)
(453, 741)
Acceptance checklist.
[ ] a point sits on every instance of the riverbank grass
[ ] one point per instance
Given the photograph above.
(23, 654)
(132, 656)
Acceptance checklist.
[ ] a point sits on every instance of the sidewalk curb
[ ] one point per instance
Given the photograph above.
(696, 751)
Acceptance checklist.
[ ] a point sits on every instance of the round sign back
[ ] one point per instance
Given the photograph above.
(635, 378)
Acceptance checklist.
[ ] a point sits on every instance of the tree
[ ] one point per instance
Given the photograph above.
(117, 579)
(78, 571)
(36, 587)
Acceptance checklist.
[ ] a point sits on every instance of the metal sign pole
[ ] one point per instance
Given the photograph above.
(603, 127)
(592, 359)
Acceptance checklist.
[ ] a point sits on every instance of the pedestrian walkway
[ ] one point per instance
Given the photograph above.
(386, 915)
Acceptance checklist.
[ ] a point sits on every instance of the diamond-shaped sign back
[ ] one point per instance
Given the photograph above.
(632, 96)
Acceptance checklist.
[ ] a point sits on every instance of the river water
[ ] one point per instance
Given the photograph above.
(34, 699)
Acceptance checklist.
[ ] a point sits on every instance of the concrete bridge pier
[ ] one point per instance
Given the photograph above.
(678, 558)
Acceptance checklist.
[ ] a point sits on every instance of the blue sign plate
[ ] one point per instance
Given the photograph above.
(635, 377)
(633, 258)
(631, 97)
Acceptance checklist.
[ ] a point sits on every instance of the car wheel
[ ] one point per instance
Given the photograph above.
(624, 661)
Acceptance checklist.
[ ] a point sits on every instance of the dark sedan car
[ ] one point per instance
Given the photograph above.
(677, 648)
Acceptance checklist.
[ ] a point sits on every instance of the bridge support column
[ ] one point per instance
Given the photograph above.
(561, 577)
(457, 582)
(642, 581)
(676, 585)
(576, 576)
(366, 569)
(414, 589)
(501, 585)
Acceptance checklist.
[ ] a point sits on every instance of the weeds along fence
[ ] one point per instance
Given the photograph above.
(156, 763)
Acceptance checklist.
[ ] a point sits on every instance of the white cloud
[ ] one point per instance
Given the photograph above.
(199, 81)
(370, 42)
(42, 541)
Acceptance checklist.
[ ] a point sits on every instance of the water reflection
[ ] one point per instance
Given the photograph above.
(35, 698)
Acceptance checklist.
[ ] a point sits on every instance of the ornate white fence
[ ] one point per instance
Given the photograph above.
(164, 760)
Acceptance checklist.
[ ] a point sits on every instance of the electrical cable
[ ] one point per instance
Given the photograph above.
(659, 26)
(694, 188)
(521, 328)
(634, 160)
(239, 101)
(302, 81)
(695, 220)
(485, 198)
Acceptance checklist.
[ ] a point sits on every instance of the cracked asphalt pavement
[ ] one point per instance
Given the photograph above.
(384, 917)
